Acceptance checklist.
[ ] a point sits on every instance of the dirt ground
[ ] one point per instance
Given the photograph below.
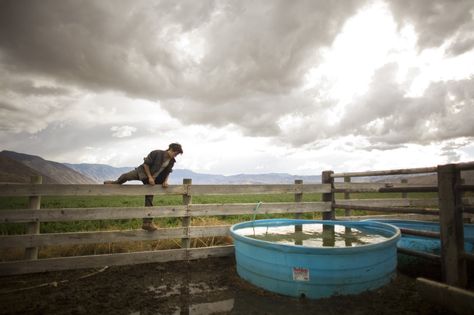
(209, 286)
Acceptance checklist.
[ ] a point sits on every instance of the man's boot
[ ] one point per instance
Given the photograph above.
(149, 226)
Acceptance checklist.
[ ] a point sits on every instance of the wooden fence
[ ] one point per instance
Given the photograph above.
(449, 205)
(34, 216)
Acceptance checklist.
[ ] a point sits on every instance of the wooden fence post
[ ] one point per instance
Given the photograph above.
(404, 181)
(34, 202)
(347, 195)
(451, 226)
(298, 198)
(186, 220)
(328, 197)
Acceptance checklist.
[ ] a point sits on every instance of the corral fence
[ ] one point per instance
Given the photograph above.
(450, 205)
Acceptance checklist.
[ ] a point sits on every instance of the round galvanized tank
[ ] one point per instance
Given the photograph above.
(316, 272)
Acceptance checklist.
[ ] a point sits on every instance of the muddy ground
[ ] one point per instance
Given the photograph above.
(209, 286)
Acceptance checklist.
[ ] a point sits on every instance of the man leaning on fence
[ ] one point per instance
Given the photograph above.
(155, 169)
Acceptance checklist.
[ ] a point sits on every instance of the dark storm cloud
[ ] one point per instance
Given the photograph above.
(435, 21)
(463, 43)
(27, 87)
(256, 115)
(69, 136)
(95, 44)
(249, 47)
(4, 107)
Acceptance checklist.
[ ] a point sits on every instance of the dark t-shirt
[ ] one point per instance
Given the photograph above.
(155, 160)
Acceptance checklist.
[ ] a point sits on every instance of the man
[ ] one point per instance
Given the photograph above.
(155, 170)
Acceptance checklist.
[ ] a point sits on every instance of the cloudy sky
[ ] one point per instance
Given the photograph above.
(244, 86)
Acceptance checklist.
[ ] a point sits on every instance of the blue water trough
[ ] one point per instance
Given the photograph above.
(316, 271)
(427, 244)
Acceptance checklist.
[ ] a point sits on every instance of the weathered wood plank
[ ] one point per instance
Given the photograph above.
(431, 202)
(186, 219)
(383, 187)
(330, 196)
(398, 216)
(467, 209)
(90, 261)
(265, 208)
(455, 299)
(416, 253)
(138, 190)
(468, 256)
(451, 226)
(388, 209)
(209, 231)
(468, 201)
(79, 214)
(257, 189)
(347, 196)
(49, 239)
(465, 166)
(87, 190)
(298, 198)
(387, 172)
(420, 233)
(206, 252)
(81, 262)
(34, 202)
(80, 238)
(466, 187)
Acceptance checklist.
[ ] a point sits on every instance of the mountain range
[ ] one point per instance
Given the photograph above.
(18, 167)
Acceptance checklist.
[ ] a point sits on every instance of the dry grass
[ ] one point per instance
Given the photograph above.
(123, 247)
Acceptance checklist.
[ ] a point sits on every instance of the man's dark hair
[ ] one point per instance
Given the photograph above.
(176, 147)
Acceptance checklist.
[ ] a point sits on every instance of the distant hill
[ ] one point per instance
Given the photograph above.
(101, 172)
(52, 172)
(12, 171)
(429, 179)
(18, 167)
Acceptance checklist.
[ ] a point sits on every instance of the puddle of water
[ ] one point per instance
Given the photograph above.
(314, 235)
(212, 308)
(182, 296)
(176, 290)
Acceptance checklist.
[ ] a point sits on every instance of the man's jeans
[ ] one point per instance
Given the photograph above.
(133, 175)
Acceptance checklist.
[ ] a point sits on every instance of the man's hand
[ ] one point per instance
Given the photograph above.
(151, 181)
(165, 184)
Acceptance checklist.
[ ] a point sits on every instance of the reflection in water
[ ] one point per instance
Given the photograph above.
(219, 307)
(177, 289)
(347, 233)
(314, 235)
(194, 298)
(329, 236)
(212, 308)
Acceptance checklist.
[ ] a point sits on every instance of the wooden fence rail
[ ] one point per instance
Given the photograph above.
(10, 190)
(193, 210)
(449, 204)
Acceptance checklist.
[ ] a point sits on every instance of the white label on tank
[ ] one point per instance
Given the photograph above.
(300, 274)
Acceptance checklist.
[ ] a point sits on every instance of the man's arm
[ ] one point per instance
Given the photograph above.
(165, 182)
(151, 180)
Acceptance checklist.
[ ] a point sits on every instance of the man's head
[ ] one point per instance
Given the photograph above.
(175, 148)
